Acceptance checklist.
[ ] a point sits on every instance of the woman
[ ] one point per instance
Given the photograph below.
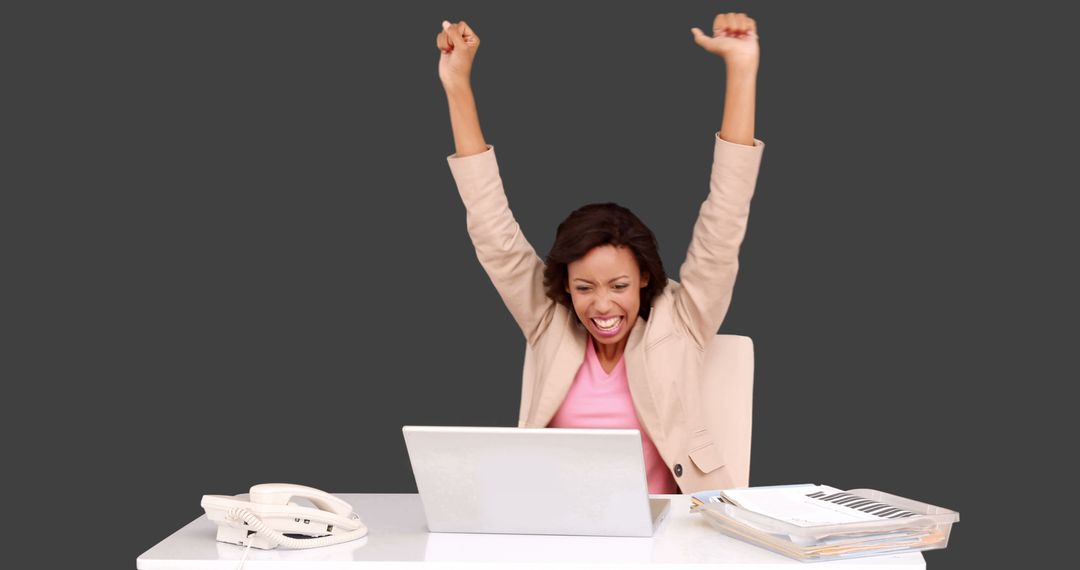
(611, 342)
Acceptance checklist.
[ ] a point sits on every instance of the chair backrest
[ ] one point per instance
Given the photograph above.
(727, 390)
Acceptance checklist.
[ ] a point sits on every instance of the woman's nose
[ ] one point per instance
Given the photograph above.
(603, 303)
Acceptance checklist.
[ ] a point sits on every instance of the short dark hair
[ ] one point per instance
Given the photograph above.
(595, 225)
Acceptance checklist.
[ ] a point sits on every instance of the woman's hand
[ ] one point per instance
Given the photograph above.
(734, 38)
(458, 44)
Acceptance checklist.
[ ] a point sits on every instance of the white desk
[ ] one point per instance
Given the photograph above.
(398, 538)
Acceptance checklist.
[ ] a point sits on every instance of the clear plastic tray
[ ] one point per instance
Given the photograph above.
(928, 530)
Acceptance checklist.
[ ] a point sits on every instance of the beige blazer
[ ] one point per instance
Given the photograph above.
(665, 353)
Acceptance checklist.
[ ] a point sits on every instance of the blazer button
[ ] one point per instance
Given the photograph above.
(678, 470)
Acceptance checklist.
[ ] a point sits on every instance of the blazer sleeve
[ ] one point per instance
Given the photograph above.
(509, 260)
(708, 274)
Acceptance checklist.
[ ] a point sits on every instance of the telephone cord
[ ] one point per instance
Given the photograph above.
(247, 549)
(279, 539)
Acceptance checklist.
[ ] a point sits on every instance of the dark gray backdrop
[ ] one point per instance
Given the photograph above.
(249, 262)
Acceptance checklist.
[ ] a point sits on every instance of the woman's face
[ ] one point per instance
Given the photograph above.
(605, 287)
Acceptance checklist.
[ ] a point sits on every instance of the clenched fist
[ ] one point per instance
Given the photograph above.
(734, 38)
(458, 44)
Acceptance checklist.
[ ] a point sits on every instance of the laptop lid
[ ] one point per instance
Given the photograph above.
(532, 481)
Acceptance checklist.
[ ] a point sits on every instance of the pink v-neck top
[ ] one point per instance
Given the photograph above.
(598, 399)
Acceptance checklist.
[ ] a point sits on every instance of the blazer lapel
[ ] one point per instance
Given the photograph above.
(640, 392)
(558, 379)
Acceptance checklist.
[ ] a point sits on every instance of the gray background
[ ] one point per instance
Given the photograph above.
(239, 256)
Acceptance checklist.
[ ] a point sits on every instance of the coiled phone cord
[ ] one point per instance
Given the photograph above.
(279, 539)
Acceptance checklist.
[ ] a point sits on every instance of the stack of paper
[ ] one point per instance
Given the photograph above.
(818, 522)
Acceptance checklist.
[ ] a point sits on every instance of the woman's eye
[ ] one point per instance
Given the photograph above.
(621, 286)
(582, 289)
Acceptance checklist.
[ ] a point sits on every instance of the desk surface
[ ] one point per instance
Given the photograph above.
(397, 533)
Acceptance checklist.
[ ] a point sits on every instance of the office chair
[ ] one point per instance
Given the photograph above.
(727, 390)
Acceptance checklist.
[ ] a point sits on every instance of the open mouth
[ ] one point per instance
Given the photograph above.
(608, 326)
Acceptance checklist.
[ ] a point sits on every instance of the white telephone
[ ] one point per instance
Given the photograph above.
(270, 518)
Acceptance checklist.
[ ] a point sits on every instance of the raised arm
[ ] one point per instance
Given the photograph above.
(457, 46)
(712, 260)
(509, 260)
(735, 39)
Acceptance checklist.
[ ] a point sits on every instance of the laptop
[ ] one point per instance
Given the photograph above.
(533, 481)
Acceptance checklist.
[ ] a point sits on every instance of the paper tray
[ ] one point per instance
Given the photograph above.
(927, 531)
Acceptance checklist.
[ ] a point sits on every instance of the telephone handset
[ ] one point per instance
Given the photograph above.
(271, 518)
